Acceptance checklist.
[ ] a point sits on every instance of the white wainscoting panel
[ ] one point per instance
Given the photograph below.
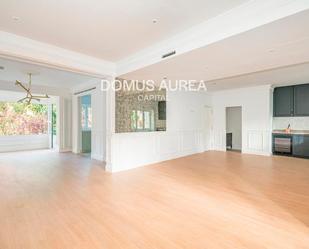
(168, 145)
(97, 147)
(219, 140)
(26, 142)
(131, 150)
(258, 142)
(253, 141)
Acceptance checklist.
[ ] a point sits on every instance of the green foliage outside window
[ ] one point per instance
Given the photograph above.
(23, 119)
(54, 119)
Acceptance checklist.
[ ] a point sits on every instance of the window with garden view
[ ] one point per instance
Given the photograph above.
(23, 119)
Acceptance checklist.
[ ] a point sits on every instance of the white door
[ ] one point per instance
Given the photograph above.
(208, 139)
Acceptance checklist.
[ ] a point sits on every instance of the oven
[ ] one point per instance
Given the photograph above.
(283, 144)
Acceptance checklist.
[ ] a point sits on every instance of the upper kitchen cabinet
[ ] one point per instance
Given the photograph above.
(284, 101)
(301, 100)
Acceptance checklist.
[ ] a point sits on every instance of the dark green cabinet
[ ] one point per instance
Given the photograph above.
(301, 145)
(301, 100)
(284, 101)
(291, 101)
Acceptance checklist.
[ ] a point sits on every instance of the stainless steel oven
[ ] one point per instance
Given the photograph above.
(282, 144)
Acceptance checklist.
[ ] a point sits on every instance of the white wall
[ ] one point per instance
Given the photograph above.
(233, 125)
(256, 103)
(185, 135)
(297, 123)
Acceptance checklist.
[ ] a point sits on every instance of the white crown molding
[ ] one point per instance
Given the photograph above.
(243, 18)
(28, 50)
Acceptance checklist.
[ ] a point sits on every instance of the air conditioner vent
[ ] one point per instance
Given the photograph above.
(168, 54)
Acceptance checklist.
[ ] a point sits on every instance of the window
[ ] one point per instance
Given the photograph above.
(89, 118)
(147, 120)
(23, 119)
(86, 113)
(86, 117)
(142, 120)
(133, 120)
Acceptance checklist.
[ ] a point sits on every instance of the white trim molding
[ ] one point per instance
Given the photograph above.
(24, 142)
(24, 49)
(131, 150)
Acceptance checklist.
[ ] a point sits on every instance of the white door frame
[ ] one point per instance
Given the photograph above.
(77, 132)
(241, 130)
(208, 138)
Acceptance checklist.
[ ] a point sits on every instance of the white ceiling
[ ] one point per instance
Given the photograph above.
(43, 76)
(279, 44)
(291, 75)
(106, 29)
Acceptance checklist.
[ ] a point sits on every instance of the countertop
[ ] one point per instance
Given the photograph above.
(293, 132)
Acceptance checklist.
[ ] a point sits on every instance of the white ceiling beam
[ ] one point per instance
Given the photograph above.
(243, 18)
(38, 89)
(24, 49)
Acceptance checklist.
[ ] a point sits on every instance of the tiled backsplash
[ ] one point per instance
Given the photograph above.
(297, 123)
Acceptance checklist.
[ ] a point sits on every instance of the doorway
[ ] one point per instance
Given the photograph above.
(53, 126)
(234, 128)
(86, 124)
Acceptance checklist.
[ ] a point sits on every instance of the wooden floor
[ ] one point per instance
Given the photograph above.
(210, 200)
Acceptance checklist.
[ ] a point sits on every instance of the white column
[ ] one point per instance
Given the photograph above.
(98, 129)
(75, 124)
(110, 126)
(49, 122)
(64, 124)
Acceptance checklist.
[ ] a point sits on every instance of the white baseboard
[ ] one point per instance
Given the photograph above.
(65, 150)
(259, 153)
(98, 157)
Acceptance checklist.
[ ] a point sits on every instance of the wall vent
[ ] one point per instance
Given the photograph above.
(168, 54)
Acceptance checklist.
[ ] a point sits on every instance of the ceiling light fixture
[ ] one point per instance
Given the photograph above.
(154, 21)
(29, 97)
(15, 18)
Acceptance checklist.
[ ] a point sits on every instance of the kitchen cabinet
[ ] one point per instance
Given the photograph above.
(284, 101)
(301, 145)
(301, 100)
(162, 110)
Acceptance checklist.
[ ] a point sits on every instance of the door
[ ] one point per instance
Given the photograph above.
(234, 128)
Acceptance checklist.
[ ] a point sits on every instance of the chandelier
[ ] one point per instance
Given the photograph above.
(29, 97)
